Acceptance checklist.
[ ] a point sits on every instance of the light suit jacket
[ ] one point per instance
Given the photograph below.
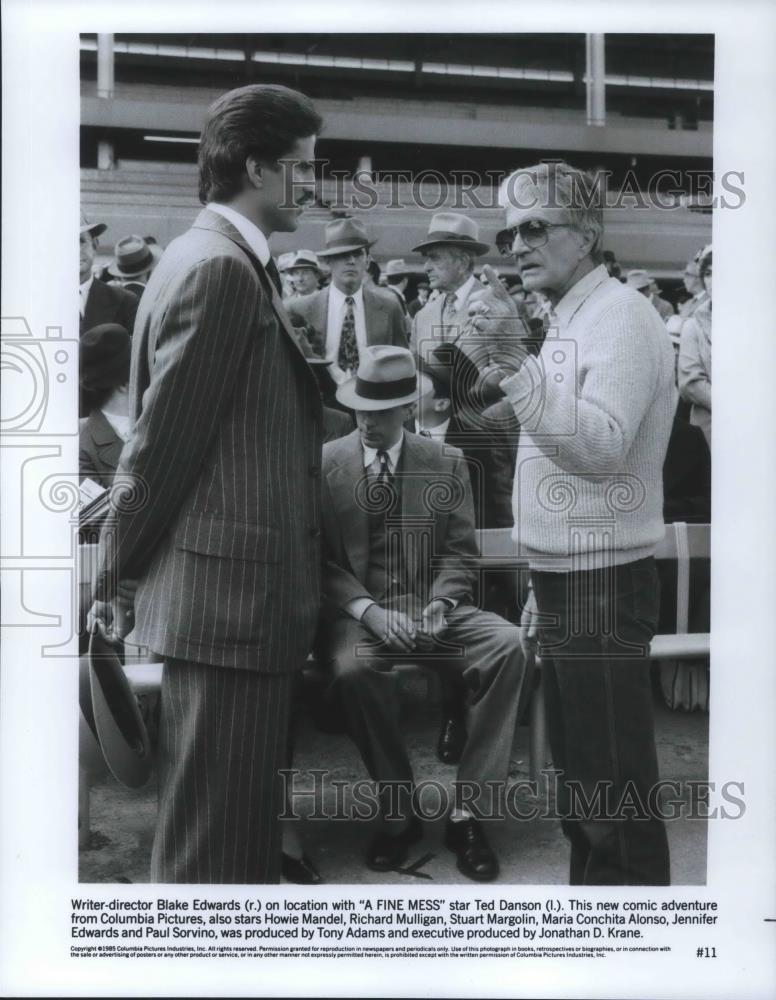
(427, 322)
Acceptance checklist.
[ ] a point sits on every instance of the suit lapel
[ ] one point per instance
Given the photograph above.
(462, 314)
(212, 220)
(352, 518)
(320, 315)
(373, 315)
(106, 440)
(429, 330)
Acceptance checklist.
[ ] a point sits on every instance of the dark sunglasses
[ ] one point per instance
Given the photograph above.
(535, 233)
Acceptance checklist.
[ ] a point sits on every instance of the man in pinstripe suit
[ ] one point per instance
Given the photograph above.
(222, 531)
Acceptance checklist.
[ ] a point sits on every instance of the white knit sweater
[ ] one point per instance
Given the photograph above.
(596, 410)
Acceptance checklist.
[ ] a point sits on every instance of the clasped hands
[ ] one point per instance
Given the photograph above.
(398, 631)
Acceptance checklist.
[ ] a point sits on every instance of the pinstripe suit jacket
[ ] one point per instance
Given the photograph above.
(227, 441)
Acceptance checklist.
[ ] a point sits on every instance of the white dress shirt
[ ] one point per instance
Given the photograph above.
(83, 292)
(250, 232)
(372, 462)
(334, 328)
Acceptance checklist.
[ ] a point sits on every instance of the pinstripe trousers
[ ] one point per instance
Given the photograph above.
(223, 737)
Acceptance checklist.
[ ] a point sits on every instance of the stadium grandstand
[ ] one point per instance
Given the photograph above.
(417, 123)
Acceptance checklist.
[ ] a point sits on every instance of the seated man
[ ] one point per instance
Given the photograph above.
(398, 584)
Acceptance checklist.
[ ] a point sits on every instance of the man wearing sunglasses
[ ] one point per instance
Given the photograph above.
(595, 409)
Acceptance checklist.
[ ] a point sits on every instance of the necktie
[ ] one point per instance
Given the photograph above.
(424, 433)
(272, 271)
(448, 313)
(384, 473)
(347, 357)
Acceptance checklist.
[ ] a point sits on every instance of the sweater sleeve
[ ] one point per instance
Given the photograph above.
(584, 411)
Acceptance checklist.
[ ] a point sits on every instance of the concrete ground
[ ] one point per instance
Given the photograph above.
(531, 852)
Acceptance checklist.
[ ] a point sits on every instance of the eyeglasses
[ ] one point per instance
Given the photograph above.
(535, 232)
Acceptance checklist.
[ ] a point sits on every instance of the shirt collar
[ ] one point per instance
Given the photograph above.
(394, 454)
(249, 231)
(462, 293)
(86, 285)
(577, 294)
(338, 297)
(439, 431)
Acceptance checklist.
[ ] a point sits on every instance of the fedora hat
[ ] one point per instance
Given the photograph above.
(451, 229)
(302, 258)
(394, 267)
(93, 228)
(132, 256)
(344, 235)
(115, 717)
(386, 377)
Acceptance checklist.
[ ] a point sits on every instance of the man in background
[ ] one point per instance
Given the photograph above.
(133, 260)
(450, 249)
(348, 314)
(421, 298)
(397, 276)
(100, 303)
(304, 271)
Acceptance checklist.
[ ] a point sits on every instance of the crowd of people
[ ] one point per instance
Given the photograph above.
(318, 440)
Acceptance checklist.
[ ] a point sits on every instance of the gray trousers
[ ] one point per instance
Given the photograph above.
(222, 739)
(480, 649)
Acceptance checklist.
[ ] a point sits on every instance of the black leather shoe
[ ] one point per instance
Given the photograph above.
(476, 860)
(300, 871)
(452, 740)
(388, 850)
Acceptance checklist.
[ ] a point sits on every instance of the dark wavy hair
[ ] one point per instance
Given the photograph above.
(260, 120)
